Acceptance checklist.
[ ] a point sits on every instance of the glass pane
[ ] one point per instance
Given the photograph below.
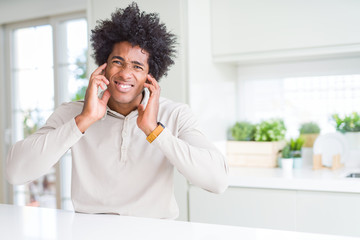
(33, 86)
(32, 48)
(73, 57)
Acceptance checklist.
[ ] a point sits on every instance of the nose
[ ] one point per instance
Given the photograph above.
(125, 71)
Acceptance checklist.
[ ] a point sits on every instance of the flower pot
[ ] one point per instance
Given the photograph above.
(309, 139)
(298, 162)
(287, 164)
(307, 157)
(353, 139)
(253, 154)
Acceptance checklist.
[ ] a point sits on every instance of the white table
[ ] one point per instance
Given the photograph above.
(39, 223)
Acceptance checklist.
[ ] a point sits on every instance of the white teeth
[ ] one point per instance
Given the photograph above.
(125, 86)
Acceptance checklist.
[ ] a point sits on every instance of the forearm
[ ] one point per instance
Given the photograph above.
(197, 159)
(84, 122)
(34, 156)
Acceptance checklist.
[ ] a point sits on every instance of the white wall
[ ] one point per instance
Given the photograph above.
(20, 10)
(212, 85)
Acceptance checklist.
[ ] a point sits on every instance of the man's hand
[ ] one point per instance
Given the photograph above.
(94, 107)
(147, 119)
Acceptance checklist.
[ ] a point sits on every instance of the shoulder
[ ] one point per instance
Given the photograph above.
(70, 108)
(179, 113)
(170, 105)
(72, 105)
(66, 111)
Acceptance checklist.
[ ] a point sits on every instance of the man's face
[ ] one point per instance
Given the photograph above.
(127, 69)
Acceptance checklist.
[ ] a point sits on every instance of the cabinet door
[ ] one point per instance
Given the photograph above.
(247, 207)
(246, 30)
(330, 213)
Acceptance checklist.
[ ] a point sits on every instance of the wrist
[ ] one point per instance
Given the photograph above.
(155, 133)
(150, 129)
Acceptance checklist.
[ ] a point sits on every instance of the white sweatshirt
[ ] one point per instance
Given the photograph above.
(114, 168)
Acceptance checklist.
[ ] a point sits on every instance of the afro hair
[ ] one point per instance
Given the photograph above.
(139, 29)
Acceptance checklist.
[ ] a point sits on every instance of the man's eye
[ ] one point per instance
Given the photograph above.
(117, 62)
(138, 67)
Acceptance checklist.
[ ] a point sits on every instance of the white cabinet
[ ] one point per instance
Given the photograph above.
(306, 211)
(327, 212)
(245, 30)
(247, 207)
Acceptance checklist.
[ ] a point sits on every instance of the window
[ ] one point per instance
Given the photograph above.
(317, 98)
(47, 67)
(33, 85)
(299, 92)
(303, 99)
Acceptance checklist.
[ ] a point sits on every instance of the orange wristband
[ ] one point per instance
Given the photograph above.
(154, 134)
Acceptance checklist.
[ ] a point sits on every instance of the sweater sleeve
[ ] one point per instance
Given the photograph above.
(193, 154)
(33, 157)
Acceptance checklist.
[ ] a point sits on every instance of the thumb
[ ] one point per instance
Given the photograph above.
(105, 97)
(141, 109)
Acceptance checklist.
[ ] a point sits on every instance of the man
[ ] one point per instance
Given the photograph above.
(126, 143)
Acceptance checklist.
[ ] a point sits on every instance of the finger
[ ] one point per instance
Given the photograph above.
(151, 78)
(153, 90)
(141, 109)
(150, 87)
(105, 97)
(153, 81)
(100, 79)
(102, 86)
(99, 70)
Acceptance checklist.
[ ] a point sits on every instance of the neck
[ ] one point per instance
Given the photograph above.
(125, 108)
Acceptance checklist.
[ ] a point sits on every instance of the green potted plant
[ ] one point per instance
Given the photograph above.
(256, 145)
(349, 125)
(243, 131)
(295, 149)
(309, 131)
(286, 158)
(271, 130)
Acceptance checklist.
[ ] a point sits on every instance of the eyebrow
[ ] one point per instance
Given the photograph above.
(122, 59)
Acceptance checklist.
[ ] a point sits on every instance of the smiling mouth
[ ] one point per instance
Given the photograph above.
(123, 87)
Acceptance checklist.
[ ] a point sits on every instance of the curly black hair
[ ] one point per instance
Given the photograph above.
(139, 29)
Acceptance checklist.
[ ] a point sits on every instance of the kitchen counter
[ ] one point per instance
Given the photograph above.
(40, 223)
(299, 179)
